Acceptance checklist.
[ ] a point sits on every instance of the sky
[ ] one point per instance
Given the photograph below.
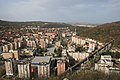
(90, 11)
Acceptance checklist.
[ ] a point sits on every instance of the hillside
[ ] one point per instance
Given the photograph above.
(104, 33)
(79, 29)
(32, 23)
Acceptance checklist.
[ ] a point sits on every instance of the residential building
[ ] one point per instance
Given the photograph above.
(24, 69)
(10, 66)
(51, 34)
(31, 43)
(5, 48)
(79, 40)
(40, 66)
(43, 43)
(63, 34)
(15, 45)
(61, 66)
(58, 44)
(11, 46)
(11, 54)
(15, 54)
(19, 44)
(78, 56)
(106, 65)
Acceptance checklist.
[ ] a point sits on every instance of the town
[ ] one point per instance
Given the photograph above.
(40, 53)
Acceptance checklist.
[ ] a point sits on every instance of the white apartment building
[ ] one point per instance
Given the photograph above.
(41, 66)
(19, 44)
(78, 56)
(31, 43)
(63, 34)
(91, 44)
(10, 46)
(24, 69)
(106, 65)
(15, 45)
(10, 67)
(78, 40)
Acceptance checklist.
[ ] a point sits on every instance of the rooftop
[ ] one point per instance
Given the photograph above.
(45, 59)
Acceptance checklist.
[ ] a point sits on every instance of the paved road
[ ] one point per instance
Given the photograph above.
(51, 49)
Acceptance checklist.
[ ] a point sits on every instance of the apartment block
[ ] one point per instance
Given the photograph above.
(11, 54)
(40, 66)
(61, 66)
(24, 69)
(10, 67)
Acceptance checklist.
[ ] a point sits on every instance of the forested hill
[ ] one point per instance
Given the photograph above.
(104, 33)
(33, 23)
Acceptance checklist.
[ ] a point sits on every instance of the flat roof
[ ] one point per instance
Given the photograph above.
(39, 59)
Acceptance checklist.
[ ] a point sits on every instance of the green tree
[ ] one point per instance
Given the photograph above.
(58, 51)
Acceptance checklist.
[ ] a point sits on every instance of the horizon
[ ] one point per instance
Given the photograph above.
(86, 23)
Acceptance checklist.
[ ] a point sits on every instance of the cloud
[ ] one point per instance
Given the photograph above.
(61, 10)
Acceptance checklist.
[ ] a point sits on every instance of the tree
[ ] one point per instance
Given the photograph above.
(2, 71)
(58, 51)
(79, 48)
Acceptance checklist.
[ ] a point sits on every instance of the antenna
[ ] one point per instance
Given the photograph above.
(74, 33)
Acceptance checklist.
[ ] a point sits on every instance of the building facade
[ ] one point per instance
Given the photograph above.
(24, 69)
(40, 66)
(61, 66)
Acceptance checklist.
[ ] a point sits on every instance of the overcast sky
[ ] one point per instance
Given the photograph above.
(91, 11)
